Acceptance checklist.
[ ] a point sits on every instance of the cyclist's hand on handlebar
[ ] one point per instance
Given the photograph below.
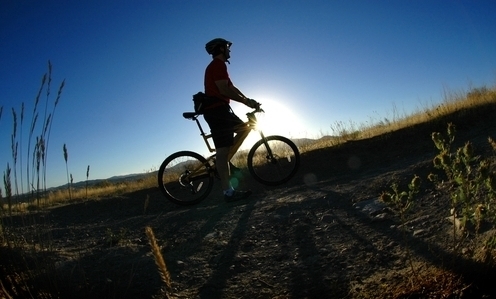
(253, 104)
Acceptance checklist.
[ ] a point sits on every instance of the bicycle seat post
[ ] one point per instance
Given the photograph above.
(205, 136)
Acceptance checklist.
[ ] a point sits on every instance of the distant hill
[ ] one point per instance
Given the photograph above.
(112, 180)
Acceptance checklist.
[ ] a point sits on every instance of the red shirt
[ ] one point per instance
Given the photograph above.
(216, 70)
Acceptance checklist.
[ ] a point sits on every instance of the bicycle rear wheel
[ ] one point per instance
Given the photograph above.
(185, 178)
(273, 160)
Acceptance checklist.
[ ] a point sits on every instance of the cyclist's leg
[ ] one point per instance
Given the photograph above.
(242, 131)
(222, 164)
(221, 125)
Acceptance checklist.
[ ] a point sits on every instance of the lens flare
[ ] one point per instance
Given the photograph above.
(278, 119)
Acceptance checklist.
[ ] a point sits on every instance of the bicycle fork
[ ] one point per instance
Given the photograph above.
(270, 155)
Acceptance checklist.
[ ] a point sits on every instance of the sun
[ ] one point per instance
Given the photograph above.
(277, 119)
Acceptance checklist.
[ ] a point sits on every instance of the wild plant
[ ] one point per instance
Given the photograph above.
(38, 236)
(402, 202)
(66, 156)
(471, 184)
(37, 159)
(14, 148)
(34, 119)
(87, 177)
(159, 261)
(8, 188)
(49, 119)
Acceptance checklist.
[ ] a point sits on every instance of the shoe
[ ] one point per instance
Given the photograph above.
(237, 195)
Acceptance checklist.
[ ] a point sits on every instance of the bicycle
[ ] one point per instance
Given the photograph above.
(187, 178)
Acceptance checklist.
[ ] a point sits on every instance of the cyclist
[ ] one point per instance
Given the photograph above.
(221, 119)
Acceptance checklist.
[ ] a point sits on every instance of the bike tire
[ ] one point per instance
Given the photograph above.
(185, 178)
(279, 168)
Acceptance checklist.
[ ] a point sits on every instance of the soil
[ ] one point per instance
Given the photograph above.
(322, 235)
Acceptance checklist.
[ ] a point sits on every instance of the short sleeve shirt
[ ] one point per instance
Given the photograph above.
(216, 70)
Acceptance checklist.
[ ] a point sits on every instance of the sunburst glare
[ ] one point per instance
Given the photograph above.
(278, 119)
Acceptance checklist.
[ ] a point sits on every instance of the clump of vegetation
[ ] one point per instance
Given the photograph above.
(402, 202)
(471, 185)
(27, 248)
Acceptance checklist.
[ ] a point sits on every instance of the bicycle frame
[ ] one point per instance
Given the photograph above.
(239, 138)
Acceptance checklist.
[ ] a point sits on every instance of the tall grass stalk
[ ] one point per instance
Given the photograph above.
(66, 156)
(159, 260)
(49, 120)
(87, 176)
(36, 166)
(20, 148)
(8, 188)
(38, 270)
(34, 119)
(14, 148)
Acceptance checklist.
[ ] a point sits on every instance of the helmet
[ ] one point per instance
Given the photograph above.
(212, 45)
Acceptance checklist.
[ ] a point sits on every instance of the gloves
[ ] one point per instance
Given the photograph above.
(252, 103)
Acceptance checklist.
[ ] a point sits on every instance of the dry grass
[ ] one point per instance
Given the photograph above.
(159, 260)
(452, 102)
(103, 190)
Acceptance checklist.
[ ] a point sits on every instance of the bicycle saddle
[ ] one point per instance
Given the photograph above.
(190, 115)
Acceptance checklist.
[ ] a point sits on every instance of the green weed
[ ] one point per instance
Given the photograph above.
(471, 185)
(402, 202)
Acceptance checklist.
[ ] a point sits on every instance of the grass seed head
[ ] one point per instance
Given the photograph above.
(65, 153)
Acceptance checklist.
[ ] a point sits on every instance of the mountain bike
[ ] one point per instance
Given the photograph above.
(187, 178)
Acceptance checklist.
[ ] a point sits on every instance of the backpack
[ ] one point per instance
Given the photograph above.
(201, 100)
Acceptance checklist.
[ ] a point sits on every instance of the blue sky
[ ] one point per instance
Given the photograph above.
(131, 67)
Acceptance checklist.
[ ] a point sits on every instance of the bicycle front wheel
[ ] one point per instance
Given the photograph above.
(273, 160)
(185, 178)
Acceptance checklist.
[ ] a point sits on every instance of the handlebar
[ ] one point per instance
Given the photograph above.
(251, 115)
(258, 109)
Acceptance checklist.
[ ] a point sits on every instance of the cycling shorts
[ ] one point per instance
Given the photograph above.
(222, 122)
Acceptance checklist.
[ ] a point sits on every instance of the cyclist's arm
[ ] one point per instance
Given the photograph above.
(231, 91)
